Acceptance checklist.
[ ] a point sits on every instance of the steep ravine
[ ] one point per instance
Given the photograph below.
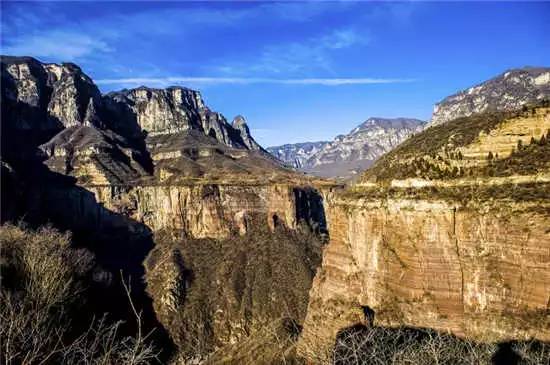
(449, 231)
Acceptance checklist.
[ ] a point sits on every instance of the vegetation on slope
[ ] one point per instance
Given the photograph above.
(436, 152)
(43, 305)
(361, 345)
(231, 292)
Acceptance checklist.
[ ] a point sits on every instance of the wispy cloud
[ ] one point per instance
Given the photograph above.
(65, 45)
(44, 31)
(165, 81)
(311, 54)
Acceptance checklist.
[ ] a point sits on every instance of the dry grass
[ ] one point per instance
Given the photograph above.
(430, 154)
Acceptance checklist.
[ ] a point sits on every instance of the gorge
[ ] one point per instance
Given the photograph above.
(448, 230)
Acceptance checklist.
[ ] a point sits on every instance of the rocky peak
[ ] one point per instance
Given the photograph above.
(47, 96)
(239, 123)
(508, 91)
(387, 124)
(351, 153)
(94, 137)
(162, 111)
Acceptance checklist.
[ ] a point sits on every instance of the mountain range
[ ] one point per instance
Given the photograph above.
(349, 154)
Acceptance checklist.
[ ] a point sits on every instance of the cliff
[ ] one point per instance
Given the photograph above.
(440, 234)
(125, 170)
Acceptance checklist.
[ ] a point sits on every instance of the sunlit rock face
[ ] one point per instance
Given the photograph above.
(480, 274)
(39, 96)
(447, 231)
(348, 155)
(159, 156)
(121, 170)
(508, 91)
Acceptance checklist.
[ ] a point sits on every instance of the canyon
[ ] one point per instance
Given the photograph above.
(446, 230)
(147, 179)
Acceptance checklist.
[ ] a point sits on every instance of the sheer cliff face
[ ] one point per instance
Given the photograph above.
(40, 96)
(160, 157)
(50, 97)
(508, 91)
(349, 154)
(438, 235)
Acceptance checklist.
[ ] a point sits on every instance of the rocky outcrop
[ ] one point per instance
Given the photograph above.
(508, 91)
(209, 210)
(437, 235)
(239, 123)
(347, 155)
(157, 156)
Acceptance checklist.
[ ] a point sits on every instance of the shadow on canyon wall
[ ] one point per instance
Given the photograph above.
(410, 345)
(38, 196)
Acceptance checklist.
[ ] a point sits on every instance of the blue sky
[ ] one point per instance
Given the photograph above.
(297, 71)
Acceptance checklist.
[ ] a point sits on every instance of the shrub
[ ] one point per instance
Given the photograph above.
(399, 346)
(43, 287)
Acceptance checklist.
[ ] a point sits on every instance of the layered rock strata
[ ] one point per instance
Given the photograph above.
(421, 242)
(121, 170)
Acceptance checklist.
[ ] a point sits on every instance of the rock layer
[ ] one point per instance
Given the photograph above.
(438, 235)
(120, 170)
(483, 275)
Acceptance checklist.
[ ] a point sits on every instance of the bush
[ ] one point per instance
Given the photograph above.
(43, 287)
(399, 346)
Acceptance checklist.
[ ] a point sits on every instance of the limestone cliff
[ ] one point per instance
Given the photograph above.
(122, 169)
(440, 234)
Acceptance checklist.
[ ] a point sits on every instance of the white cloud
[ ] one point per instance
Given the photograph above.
(64, 45)
(166, 81)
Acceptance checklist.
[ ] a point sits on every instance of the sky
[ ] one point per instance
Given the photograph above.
(298, 71)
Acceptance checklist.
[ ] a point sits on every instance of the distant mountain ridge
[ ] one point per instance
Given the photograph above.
(508, 91)
(349, 154)
(296, 154)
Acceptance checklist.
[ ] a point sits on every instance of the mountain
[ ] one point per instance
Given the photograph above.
(228, 250)
(508, 91)
(120, 137)
(163, 189)
(349, 154)
(297, 154)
